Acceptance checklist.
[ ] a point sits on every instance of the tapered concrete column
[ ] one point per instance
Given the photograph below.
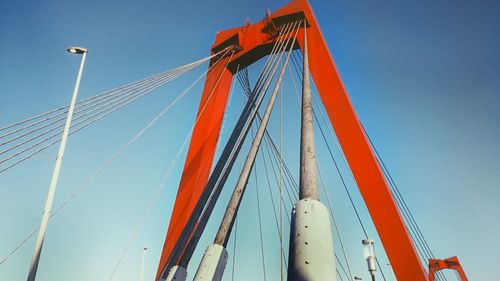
(213, 264)
(311, 246)
(311, 255)
(177, 273)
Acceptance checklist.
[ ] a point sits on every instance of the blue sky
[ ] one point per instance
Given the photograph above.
(422, 76)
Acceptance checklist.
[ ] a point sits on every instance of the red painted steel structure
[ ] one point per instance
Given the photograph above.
(253, 41)
(449, 263)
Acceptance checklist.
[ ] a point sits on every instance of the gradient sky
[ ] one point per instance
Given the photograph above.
(423, 77)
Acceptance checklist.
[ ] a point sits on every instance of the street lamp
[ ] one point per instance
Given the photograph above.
(77, 50)
(57, 168)
(369, 254)
(142, 264)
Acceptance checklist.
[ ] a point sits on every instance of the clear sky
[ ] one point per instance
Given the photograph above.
(422, 75)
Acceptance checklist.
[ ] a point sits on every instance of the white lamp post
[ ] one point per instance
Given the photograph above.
(142, 264)
(369, 254)
(57, 168)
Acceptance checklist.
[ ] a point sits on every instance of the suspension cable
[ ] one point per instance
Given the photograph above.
(336, 226)
(295, 64)
(227, 168)
(219, 174)
(86, 122)
(418, 246)
(193, 64)
(85, 104)
(116, 104)
(422, 245)
(340, 175)
(89, 120)
(199, 115)
(260, 222)
(108, 163)
(273, 205)
(78, 115)
(277, 157)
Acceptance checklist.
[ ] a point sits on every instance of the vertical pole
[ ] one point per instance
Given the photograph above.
(142, 263)
(55, 176)
(308, 170)
(311, 255)
(282, 275)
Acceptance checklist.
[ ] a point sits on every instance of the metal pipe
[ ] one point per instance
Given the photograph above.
(55, 174)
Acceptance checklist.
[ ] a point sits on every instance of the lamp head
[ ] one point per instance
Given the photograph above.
(368, 248)
(77, 50)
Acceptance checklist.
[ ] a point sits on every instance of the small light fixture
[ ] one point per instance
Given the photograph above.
(369, 254)
(77, 50)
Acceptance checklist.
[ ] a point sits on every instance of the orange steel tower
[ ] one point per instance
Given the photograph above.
(450, 263)
(252, 42)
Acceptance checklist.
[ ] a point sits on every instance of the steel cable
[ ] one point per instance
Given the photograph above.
(99, 115)
(273, 204)
(78, 115)
(340, 174)
(278, 158)
(80, 106)
(414, 228)
(140, 222)
(150, 84)
(204, 198)
(108, 163)
(335, 224)
(89, 99)
(260, 222)
(217, 191)
(420, 243)
(244, 84)
(266, 84)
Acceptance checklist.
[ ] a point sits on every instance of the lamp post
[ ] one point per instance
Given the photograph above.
(142, 264)
(369, 254)
(57, 168)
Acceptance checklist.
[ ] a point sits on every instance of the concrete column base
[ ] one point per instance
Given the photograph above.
(311, 256)
(177, 273)
(213, 264)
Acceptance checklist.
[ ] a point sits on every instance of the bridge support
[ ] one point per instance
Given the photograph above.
(254, 41)
(311, 246)
(213, 264)
(311, 256)
(452, 263)
(177, 273)
(214, 260)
